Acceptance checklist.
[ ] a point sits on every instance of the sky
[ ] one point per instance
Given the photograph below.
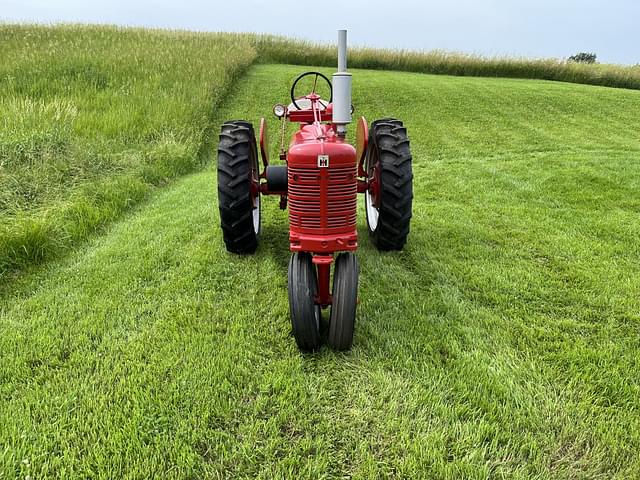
(531, 28)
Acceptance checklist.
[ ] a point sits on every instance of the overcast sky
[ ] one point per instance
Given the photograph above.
(536, 28)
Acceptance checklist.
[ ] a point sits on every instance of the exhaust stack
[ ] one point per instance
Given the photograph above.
(342, 88)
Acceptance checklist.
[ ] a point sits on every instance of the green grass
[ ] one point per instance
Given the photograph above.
(502, 343)
(274, 49)
(92, 118)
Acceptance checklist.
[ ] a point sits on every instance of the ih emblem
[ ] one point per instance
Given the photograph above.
(323, 161)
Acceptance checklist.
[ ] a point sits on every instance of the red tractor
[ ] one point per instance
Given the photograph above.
(319, 181)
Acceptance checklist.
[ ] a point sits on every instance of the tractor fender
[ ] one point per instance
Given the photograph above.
(264, 143)
(362, 139)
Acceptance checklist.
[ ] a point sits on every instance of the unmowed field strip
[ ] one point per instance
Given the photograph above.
(91, 119)
(501, 343)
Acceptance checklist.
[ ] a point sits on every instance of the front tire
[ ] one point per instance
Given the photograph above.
(344, 301)
(305, 314)
(389, 198)
(238, 187)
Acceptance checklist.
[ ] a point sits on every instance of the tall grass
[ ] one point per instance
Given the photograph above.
(275, 49)
(92, 118)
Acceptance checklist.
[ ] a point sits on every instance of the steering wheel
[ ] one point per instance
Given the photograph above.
(315, 81)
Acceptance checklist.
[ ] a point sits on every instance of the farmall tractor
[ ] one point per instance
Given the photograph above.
(319, 182)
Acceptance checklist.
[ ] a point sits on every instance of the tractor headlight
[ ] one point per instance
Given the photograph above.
(279, 110)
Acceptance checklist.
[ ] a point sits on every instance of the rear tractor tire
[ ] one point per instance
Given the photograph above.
(305, 313)
(388, 200)
(239, 187)
(344, 300)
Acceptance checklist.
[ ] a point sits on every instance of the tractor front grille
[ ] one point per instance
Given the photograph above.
(322, 199)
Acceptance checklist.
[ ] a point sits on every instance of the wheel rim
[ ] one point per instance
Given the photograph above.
(256, 215)
(372, 211)
(370, 199)
(254, 177)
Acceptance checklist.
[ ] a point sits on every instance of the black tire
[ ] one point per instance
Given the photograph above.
(237, 170)
(345, 297)
(305, 314)
(389, 146)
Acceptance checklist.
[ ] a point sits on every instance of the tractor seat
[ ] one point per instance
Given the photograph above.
(305, 104)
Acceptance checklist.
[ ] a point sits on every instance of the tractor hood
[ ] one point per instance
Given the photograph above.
(313, 140)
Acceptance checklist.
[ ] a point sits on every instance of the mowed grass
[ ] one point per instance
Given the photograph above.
(92, 118)
(502, 343)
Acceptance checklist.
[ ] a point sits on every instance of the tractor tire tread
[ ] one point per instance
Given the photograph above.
(236, 150)
(389, 136)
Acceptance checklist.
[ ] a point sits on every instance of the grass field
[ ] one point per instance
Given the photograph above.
(91, 119)
(274, 49)
(502, 343)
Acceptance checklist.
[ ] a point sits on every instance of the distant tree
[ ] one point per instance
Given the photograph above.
(583, 57)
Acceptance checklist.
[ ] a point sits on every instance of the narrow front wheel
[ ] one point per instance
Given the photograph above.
(305, 314)
(344, 300)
